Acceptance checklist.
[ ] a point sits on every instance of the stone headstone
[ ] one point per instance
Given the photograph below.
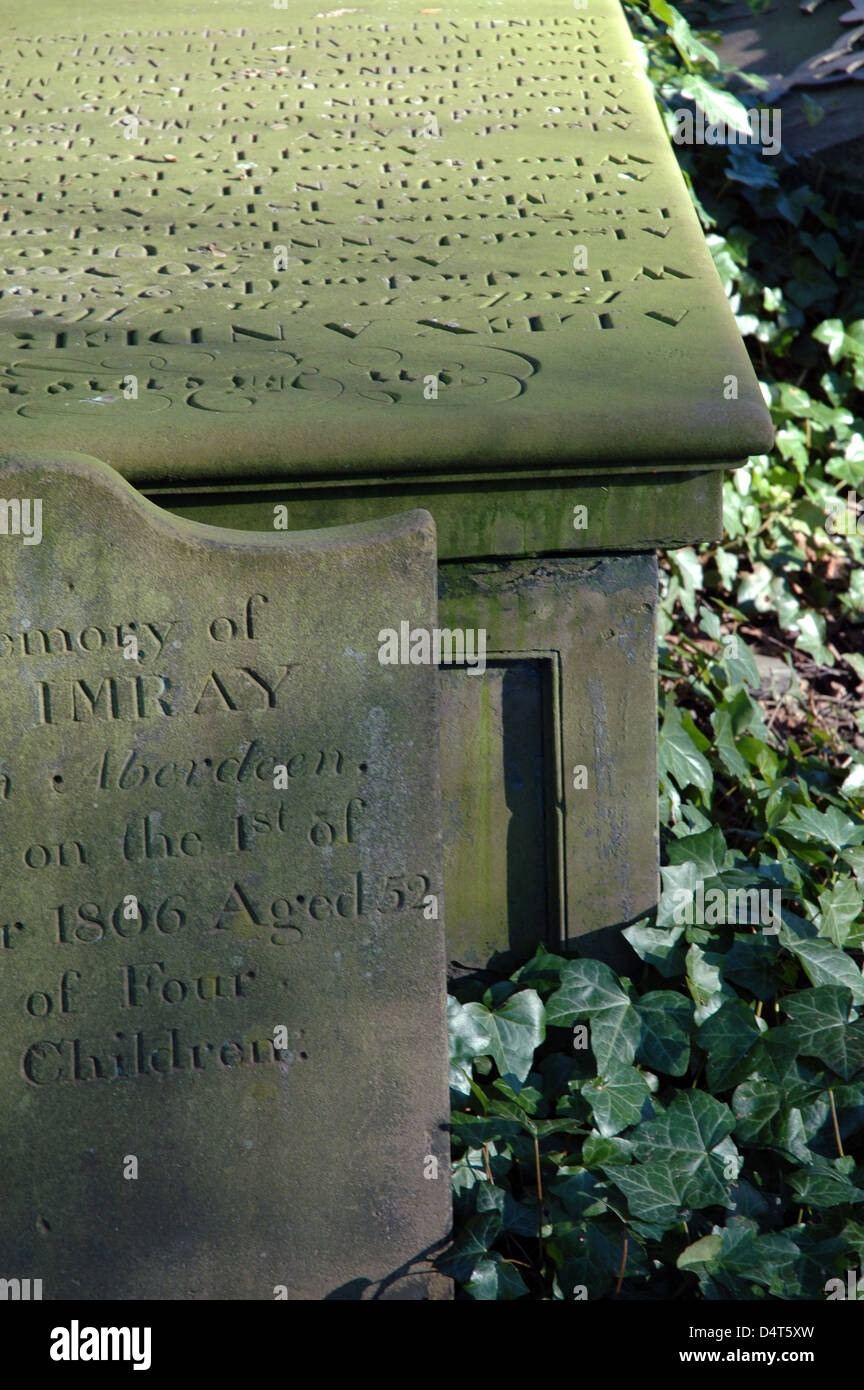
(223, 1052)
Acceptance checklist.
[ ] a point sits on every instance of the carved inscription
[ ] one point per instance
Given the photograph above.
(217, 853)
(332, 223)
(216, 830)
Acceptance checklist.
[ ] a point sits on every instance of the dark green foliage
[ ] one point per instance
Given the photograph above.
(674, 1156)
(698, 1131)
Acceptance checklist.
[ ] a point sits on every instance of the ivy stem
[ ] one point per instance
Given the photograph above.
(623, 1264)
(539, 1197)
(836, 1126)
(486, 1161)
(522, 1251)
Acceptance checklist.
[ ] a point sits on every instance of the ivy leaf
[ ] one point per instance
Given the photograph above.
(755, 1104)
(727, 563)
(588, 987)
(824, 964)
(740, 664)
(709, 623)
(689, 46)
(596, 1150)
(824, 1185)
(841, 906)
(820, 1019)
(705, 982)
(746, 1255)
(614, 1036)
(728, 1036)
(505, 1109)
(744, 164)
(812, 634)
(813, 112)
(701, 1252)
(679, 756)
(841, 340)
(476, 1130)
(662, 10)
(617, 1098)
(652, 1193)
(543, 969)
(559, 1125)
(658, 946)
(520, 1218)
(824, 247)
(527, 1098)
(517, 1030)
(724, 742)
(755, 587)
(796, 1081)
(830, 827)
(590, 1255)
(666, 1019)
(852, 785)
(496, 1278)
(691, 575)
(706, 851)
(719, 106)
(469, 1037)
(680, 882)
(682, 1139)
(470, 1246)
(752, 963)
(577, 1191)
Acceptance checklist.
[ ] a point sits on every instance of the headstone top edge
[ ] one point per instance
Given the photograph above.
(93, 471)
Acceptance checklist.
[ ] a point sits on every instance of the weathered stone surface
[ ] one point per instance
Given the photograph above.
(477, 517)
(549, 766)
(349, 262)
(166, 909)
(249, 242)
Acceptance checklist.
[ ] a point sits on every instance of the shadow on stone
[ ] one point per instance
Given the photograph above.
(609, 946)
(405, 1285)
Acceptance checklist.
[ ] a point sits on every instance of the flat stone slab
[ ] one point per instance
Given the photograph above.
(223, 1061)
(388, 238)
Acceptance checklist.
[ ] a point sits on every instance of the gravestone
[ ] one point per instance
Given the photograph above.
(223, 1054)
(299, 265)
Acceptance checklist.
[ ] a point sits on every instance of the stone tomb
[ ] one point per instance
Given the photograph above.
(311, 265)
(223, 1055)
